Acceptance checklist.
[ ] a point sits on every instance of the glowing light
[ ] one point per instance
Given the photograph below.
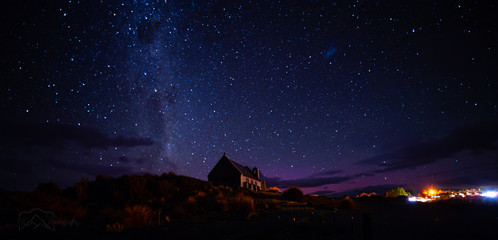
(432, 191)
(419, 199)
(490, 194)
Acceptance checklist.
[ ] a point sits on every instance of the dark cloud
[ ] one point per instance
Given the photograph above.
(483, 167)
(325, 193)
(312, 181)
(478, 175)
(34, 153)
(329, 172)
(58, 135)
(475, 139)
(24, 171)
(13, 164)
(317, 180)
(88, 169)
(487, 179)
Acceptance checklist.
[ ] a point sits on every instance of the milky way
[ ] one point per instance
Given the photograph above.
(329, 96)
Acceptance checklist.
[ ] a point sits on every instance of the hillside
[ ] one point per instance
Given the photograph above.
(172, 206)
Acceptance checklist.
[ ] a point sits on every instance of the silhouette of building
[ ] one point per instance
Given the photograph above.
(232, 174)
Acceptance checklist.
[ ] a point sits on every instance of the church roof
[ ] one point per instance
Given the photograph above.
(244, 170)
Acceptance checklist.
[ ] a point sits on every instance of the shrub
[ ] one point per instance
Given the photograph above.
(81, 189)
(347, 203)
(221, 202)
(273, 189)
(115, 227)
(183, 213)
(138, 216)
(294, 194)
(191, 201)
(396, 193)
(243, 203)
(373, 194)
(272, 203)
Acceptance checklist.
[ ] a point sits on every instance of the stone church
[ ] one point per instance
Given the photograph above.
(232, 174)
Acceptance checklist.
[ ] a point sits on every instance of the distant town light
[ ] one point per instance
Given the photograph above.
(490, 194)
(419, 199)
(425, 199)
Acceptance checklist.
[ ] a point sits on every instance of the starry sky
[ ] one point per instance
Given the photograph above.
(332, 96)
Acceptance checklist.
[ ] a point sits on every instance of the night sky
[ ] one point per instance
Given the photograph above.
(332, 96)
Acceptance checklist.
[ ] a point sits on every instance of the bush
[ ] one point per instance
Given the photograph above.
(220, 202)
(81, 190)
(138, 216)
(347, 203)
(294, 194)
(115, 227)
(243, 203)
(272, 204)
(274, 189)
(363, 195)
(396, 193)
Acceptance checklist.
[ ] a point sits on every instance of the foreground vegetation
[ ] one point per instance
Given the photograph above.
(134, 202)
(174, 206)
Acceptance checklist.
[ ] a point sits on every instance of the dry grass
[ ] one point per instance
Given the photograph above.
(137, 216)
(243, 203)
(115, 227)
